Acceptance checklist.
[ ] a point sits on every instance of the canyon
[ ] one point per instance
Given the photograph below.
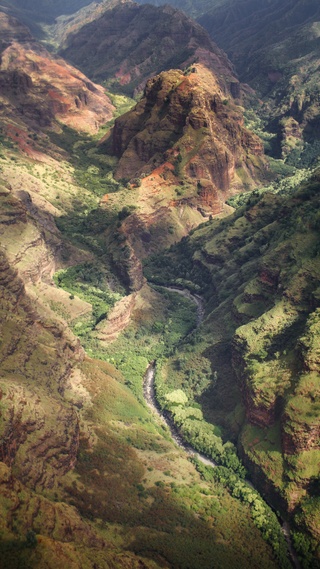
(105, 200)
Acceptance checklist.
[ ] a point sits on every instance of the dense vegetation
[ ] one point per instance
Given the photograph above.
(130, 486)
(262, 308)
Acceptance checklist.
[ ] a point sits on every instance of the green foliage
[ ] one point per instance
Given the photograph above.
(263, 517)
(90, 282)
(138, 345)
(285, 184)
(85, 224)
(93, 168)
(126, 211)
(195, 430)
(5, 142)
(306, 549)
(122, 103)
(31, 539)
(177, 397)
(177, 268)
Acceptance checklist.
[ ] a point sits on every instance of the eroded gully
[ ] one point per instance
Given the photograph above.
(151, 400)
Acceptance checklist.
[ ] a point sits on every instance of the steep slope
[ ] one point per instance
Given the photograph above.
(41, 90)
(40, 428)
(70, 24)
(270, 26)
(182, 151)
(47, 389)
(259, 271)
(190, 118)
(88, 476)
(99, 48)
(43, 10)
(275, 47)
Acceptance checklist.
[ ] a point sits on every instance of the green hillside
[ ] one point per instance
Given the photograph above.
(259, 272)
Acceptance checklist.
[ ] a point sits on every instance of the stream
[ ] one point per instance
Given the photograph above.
(149, 391)
(151, 400)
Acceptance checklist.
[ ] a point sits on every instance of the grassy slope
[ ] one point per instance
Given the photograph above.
(262, 310)
(130, 489)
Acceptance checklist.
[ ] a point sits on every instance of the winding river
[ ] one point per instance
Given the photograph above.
(149, 391)
(151, 400)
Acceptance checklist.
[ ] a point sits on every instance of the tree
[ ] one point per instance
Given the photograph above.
(31, 538)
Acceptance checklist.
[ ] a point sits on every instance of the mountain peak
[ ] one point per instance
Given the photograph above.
(156, 39)
(187, 118)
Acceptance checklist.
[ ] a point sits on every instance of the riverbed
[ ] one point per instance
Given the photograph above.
(151, 400)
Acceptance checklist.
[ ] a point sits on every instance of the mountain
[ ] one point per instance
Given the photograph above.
(40, 89)
(275, 47)
(71, 23)
(259, 270)
(231, 22)
(181, 151)
(90, 477)
(43, 10)
(99, 49)
(177, 109)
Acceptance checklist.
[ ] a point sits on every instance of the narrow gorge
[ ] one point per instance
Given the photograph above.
(159, 284)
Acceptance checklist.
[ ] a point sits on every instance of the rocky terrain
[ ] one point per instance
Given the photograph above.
(40, 89)
(99, 51)
(182, 150)
(179, 108)
(88, 476)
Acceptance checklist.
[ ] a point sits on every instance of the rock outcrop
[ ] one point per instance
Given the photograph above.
(156, 39)
(41, 89)
(118, 319)
(183, 150)
(186, 121)
(32, 248)
(40, 433)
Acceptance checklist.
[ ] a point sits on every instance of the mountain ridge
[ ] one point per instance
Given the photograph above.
(60, 92)
(99, 50)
